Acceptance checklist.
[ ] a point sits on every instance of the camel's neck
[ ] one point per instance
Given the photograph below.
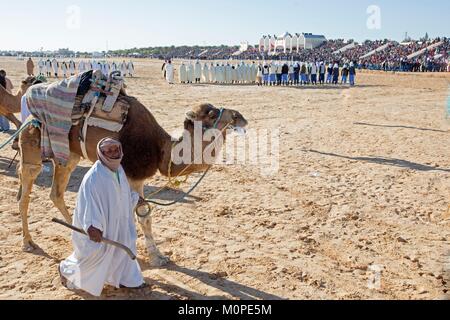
(12, 102)
(196, 161)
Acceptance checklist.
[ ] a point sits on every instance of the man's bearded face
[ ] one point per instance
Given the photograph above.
(112, 152)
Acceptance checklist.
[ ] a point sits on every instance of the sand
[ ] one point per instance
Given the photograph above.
(363, 185)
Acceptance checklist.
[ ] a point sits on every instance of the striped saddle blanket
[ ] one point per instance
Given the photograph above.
(52, 105)
(59, 106)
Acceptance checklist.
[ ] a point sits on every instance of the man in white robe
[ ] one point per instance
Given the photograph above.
(72, 67)
(48, 68)
(254, 71)
(248, 75)
(217, 73)
(123, 68)
(228, 74)
(55, 65)
(81, 67)
(130, 68)
(198, 72)
(64, 69)
(212, 73)
(104, 208)
(234, 76)
(106, 68)
(182, 73)
(222, 73)
(96, 65)
(190, 73)
(41, 66)
(206, 73)
(169, 72)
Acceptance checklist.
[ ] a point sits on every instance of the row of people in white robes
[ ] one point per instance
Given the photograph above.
(221, 73)
(52, 67)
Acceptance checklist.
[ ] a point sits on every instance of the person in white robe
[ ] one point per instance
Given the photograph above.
(104, 208)
(106, 69)
(190, 73)
(48, 68)
(234, 74)
(169, 72)
(228, 72)
(242, 73)
(223, 73)
(55, 65)
(113, 66)
(41, 66)
(206, 73)
(72, 67)
(254, 71)
(198, 72)
(248, 74)
(64, 69)
(182, 73)
(81, 66)
(123, 68)
(212, 73)
(259, 75)
(239, 72)
(130, 68)
(217, 71)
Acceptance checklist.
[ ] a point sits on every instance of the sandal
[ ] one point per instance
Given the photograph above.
(142, 286)
(63, 279)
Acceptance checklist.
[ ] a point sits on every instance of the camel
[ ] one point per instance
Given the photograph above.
(147, 149)
(10, 104)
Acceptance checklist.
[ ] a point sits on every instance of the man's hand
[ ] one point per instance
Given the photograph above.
(95, 234)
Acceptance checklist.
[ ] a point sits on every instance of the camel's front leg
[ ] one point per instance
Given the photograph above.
(157, 259)
(28, 170)
(61, 178)
(28, 175)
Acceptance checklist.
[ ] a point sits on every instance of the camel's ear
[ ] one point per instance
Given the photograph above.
(191, 115)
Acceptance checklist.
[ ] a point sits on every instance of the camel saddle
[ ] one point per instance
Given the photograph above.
(98, 98)
(99, 103)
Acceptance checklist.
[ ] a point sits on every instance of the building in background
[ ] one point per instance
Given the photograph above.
(289, 43)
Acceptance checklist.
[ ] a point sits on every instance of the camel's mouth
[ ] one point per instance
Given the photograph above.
(240, 131)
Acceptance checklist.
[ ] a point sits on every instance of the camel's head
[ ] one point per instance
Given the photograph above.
(28, 82)
(214, 118)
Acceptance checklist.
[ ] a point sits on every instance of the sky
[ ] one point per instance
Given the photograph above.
(98, 25)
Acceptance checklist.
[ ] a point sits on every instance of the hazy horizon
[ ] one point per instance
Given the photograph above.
(97, 26)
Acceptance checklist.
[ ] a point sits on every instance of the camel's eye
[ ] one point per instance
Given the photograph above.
(212, 114)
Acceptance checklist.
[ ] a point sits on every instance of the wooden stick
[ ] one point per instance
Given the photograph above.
(104, 240)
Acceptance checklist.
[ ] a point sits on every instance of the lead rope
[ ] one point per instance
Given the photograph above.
(181, 173)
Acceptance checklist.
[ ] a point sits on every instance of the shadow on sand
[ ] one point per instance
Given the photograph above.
(169, 194)
(230, 288)
(398, 127)
(158, 290)
(384, 161)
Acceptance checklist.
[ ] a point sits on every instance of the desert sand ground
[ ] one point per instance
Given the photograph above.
(363, 183)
